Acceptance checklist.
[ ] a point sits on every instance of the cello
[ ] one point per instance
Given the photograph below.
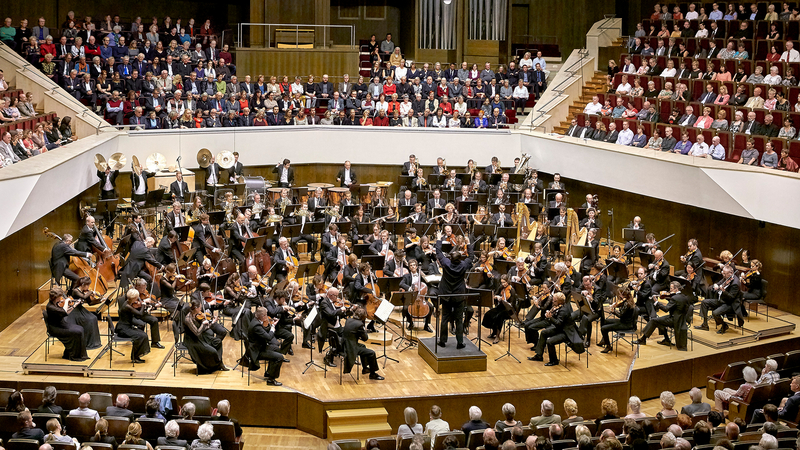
(372, 301)
(420, 308)
(83, 268)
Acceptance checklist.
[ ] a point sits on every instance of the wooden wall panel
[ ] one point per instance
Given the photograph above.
(268, 62)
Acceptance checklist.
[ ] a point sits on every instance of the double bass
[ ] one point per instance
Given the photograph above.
(83, 268)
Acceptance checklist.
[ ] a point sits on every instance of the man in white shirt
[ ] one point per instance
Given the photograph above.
(436, 425)
(790, 55)
(692, 14)
(625, 135)
(700, 148)
(594, 107)
(83, 408)
(716, 150)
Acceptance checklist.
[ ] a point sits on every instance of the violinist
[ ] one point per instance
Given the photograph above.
(60, 259)
(427, 257)
(174, 218)
(616, 256)
(315, 291)
(636, 224)
(202, 231)
(384, 246)
(697, 283)
(693, 257)
(60, 327)
(235, 294)
(397, 266)
(745, 257)
(412, 281)
(518, 273)
(204, 347)
(253, 287)
(131, 325)
(82, 318)
(490, 277)
(752, 280)
(542, 239)
(651, 245)
(361, 288)
(263, 345)
(134, 266)
(206, 273)
(330, 314)
(561, 329)
(303, 218)
(505, 307)
(169, 297)
(562, 281)
(501, 251)
(539, 304)
(591, 220)
(210, 303)
(723, 299)
(166, 253)
(644, 292)
(418, 215)
(726, 258)
(411, 244)
(594, 297)
(349, 274)
(148, 303)
(626, 319)
(677, 306)
(538, 266)
(336, 258)
(278, 308)
(353, 332)
(659, 272)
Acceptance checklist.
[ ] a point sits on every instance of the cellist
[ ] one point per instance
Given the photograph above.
(412, 281)
(363, 288)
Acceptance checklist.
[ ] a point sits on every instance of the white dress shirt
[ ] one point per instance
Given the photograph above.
(625, 137)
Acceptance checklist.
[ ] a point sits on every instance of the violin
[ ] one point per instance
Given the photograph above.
(213, 299)
(203, 316)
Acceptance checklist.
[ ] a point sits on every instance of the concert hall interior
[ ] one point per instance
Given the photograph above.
(534, 250)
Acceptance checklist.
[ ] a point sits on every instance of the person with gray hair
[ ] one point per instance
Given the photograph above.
(769, 375)
(635, 405)
(732, 431)
(682, 444)
(475, 421)
(120, 408)
(770, 428)
(188, 410)
(676, 430)
(509, 411)
(223, 414)
(411, 426)
(668, 440)
(585, 443)
(768, 442)
(204, 434)
(171, 432)
(723, 396)
(547, 416)
(697, 405)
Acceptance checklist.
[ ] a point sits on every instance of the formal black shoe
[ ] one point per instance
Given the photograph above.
(225, 368)
(723, 329)
(308, 346)
(428, 329)
(138, 360)
(460, 346)
(375, 376)
(286, 360)
(365, 371)
(608, 349)
(291, 352)
(441, 344)
(535, 358)
(640, 341)
(740, 321)
(329, 363)
(271, 382)
(551, 363)
(701, 327)
(665, 342)
(156, 345)
(587, 343)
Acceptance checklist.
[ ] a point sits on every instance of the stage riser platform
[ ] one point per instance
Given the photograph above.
(450, 360)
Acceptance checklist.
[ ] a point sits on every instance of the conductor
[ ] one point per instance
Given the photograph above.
(454, 267)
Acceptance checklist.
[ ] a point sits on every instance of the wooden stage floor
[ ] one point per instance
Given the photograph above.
(411, 381)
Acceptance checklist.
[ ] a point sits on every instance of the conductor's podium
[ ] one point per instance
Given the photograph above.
(450, 359)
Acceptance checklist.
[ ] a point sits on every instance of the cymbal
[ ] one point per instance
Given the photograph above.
(204, 158)
(100, 162)
(225, 159)
(135, 164)
(156, 162)
(117, 161)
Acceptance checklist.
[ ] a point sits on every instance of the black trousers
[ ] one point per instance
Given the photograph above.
(659, 322)
(614, 325)
(140, 343)
(312, 243)
(286, 337)
(712, 304)
(586, 323)
(452, 311)
(155, 334)
(274, 361)
(369, 362)
(532, 328)
(552, 341)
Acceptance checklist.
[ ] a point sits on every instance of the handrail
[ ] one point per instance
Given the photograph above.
(240, 27)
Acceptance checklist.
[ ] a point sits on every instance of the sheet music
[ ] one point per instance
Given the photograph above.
(384, 310)
(310, 318)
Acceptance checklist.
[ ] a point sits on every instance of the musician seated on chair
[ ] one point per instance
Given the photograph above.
(501, 251)
(277, 308)
(303, 218)
(412, 282)
(210, 303)
(676, 307)
(537, 272)
(505, 298)
(591, 220)
(594, 297)
(352, 333)
(384, 246)
(397, 266)
(558, 202)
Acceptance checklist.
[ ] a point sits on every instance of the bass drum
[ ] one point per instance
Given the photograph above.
(256, 184)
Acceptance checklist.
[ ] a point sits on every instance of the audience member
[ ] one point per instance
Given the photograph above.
(83, 409)
(547, 416)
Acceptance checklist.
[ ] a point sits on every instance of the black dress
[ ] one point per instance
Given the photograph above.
(127, 327)
(69, 334)
(204, 347)
(81, 317)
(495, 318)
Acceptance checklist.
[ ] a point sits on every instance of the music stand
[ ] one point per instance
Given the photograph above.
(388, 284)
(365, 228)
(509, 233)
(382, 316)
(349, 210)
(216, 217)
(344, 227)
(534, 209)
(503, 266)
(254, 244)
(464, 177)
(395, 228)
(645, 259)
(583, 251)
(468, 207)
(553, 212)
(404, 299)
(482, 298)
(558, 233)
(526, 246)
(182, 232)
(307, 270)
(290, 231)
(488, 229)
(379, 211)
(516, 178)
(493, 178)
(404, 210)
(154, 198)
(359, 249)
(631, 235)
(375, 261)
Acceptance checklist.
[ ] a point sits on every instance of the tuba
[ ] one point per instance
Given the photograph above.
(522, 163)
(499, 168)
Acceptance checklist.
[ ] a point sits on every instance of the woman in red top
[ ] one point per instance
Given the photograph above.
(260, 121)
(47, 47)
(130, 104)
(389, 88)
(442, 90)
(445, 106)
(366, 121)
(773, 55)
(285, 87)
(198, 119)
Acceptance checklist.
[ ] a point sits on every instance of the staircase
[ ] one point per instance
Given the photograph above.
(595, 85)
(360, 424)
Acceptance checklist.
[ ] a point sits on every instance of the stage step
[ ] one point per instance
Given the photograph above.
(361, 423)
